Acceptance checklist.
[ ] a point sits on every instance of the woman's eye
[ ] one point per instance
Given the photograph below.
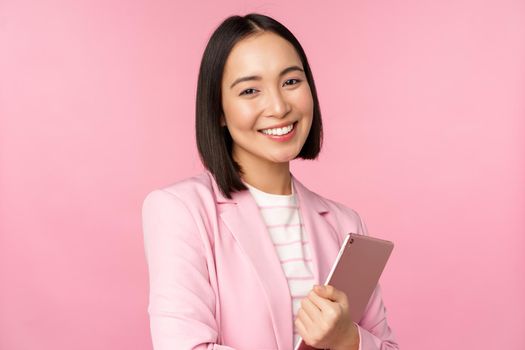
(297, 80)
(243, 93)
(247, 91)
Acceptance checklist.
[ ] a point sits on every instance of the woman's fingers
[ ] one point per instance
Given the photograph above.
(311, 309)
(320, 301)
(300, 326)
(307, 320)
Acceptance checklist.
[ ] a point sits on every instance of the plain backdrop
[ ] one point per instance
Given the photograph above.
(424, 114)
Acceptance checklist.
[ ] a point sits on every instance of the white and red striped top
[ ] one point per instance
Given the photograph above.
(285, 227)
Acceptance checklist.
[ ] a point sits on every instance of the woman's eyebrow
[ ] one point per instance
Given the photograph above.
(256, 77)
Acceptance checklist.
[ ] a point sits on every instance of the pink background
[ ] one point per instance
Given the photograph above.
(424, 113)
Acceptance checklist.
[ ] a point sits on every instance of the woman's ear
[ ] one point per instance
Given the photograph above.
(223, 121)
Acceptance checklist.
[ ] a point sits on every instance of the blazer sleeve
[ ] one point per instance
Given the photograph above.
(181, 304)
(374, 331)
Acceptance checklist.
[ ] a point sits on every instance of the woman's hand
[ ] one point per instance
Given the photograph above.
(323, 321)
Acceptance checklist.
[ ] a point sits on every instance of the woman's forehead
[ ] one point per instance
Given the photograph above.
(261, 54)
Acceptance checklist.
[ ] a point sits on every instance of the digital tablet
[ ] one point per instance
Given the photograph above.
(356, 272)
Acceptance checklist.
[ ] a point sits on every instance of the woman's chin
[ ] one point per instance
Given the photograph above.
(283, 158)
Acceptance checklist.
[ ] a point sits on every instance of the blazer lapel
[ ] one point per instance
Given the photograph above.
(323, 237)
(244, 220)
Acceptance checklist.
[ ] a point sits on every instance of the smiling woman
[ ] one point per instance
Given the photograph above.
(280, 100)
(234, 252)
(255, 80)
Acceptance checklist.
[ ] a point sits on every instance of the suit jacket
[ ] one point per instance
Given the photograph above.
(215, 279)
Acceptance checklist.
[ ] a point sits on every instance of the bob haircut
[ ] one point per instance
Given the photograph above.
(214, 141)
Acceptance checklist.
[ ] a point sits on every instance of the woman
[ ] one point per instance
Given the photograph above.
(233, 253)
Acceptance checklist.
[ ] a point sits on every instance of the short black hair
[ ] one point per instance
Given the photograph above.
(214, 141)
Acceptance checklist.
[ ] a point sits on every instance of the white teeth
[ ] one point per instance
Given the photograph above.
(278, 131)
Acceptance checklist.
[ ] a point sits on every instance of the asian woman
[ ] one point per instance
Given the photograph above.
(237, 254)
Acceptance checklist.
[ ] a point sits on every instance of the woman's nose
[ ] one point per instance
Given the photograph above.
(277, 105)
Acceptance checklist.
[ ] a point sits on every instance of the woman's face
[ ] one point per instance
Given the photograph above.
(266, 99)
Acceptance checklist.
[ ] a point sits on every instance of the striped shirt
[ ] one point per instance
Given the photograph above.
(283, 221)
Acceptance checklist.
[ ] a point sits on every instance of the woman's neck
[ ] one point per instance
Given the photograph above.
(274, 183)
(269, 177)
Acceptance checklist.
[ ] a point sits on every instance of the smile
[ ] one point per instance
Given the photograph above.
(279, 131)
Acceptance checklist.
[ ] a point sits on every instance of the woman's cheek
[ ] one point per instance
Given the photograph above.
(247, 115)
(306, 100)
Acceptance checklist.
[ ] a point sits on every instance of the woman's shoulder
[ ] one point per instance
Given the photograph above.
(193, 189)
(346, 216)
(180, 209)
(342, 209)
(323, 202)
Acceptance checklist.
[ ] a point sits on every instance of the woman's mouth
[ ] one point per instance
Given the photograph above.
(280, 134)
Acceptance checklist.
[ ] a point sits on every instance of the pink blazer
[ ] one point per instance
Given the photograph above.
(215, 280)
